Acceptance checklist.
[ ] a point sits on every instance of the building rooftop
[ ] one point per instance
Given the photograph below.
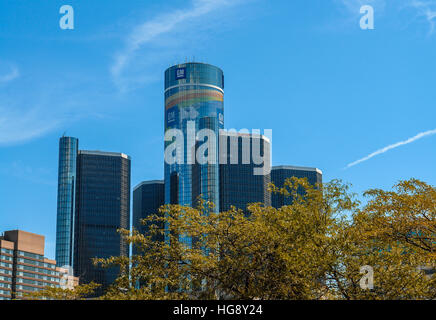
(148, 182)
(296, 168)
(25, 241)
(104, 153)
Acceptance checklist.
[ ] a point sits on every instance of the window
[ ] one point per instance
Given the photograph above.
(8, 251)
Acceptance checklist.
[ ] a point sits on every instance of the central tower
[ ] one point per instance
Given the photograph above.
(194, 97)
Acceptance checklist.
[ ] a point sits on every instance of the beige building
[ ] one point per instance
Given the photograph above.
(68, 281)
(24, 269)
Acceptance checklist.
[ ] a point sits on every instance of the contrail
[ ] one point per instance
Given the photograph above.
(393, 146)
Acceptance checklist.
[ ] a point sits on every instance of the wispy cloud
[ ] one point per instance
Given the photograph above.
(416, 10)
(154, 30)
(24, 125)
(392, 146)
(31, 109)
(426, 9)
(21, 119)
(9, 76)
(353, 6)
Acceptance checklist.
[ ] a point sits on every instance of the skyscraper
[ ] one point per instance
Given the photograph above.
(279, 174)
(68, 150)
(148, 197)
(240, 183)
(93, 203)
(194, 100)
(103, 207)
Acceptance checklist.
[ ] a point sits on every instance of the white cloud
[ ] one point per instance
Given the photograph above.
(426, 9)
(31, 109)
(419, 10)
(21, 118)
(153, 31)
(21, 126)
(353, 6)
(392, 146)
(11, 75)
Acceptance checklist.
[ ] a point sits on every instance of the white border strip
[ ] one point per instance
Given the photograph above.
(194, 84)
(296, 168)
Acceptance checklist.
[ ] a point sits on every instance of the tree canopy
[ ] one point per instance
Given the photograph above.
(314, 248)
(325, 245)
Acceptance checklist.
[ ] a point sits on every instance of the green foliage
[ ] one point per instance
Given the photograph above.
(312, 249)
(80, 292)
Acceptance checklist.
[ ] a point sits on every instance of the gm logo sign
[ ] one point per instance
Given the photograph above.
(180, 73)
(171, 116)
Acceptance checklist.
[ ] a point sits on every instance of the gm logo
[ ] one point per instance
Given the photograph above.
(171, 116)
(180, 73)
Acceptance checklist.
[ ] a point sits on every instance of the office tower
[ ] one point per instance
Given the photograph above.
(279, 174)
(68, 150)
(240, 183)
(102, 207)
(93, 202)
(23, 267)
(148, 197)
(194, 100)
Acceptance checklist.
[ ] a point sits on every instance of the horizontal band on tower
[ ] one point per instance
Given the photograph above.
(191, 97)
(194, 84)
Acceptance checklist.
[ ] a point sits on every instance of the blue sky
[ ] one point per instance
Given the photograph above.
(333, 94)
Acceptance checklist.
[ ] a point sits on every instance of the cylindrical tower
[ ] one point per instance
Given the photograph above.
(68, 150)
(194, 98)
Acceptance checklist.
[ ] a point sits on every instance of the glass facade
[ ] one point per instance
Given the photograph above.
(194, 92)
(103, 207)
(68, 150)
(148, 197)
(279, 175)
(239, 186)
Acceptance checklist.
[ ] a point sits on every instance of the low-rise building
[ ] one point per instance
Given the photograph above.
(23, 267)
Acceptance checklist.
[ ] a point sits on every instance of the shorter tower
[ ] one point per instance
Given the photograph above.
(243, 178)
(148, 197)
(279, 174)
(103, 207)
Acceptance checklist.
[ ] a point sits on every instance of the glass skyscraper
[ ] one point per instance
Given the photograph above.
(103, 207)
(148, 197)
(93, 203)
(68, 150)
(279, 174)
(239, 185)
(194, 98)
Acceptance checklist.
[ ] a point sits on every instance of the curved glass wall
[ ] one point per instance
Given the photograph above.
(194, 93)
(68, 150)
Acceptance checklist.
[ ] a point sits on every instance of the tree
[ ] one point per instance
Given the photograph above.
(80, 292)
(406, 215)
(395, 235)
(311, 249)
